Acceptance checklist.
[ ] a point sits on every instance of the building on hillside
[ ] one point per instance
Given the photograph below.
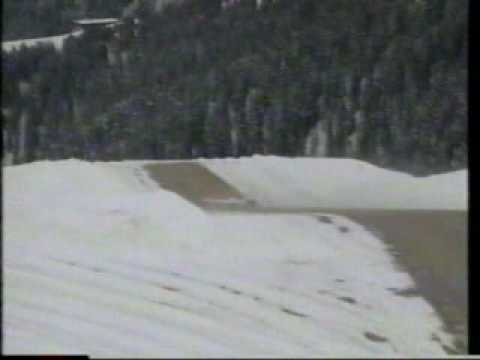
(98, 28)
(112, 36)
(88, 24)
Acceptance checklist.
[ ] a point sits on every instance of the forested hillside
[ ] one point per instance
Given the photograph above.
(382, 81)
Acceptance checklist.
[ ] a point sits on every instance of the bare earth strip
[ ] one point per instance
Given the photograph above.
(192, 181)
(430, 244)
(432, 247)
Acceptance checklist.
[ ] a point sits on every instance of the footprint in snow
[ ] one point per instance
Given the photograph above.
(299, 262)
(293, 313)
(408, 292)
(230, 290)
(374, 337)
(347, 299)
(170, 288)
(325, 219)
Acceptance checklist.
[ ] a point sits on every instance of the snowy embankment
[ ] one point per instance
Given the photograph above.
(338, 183)
(99, 260)
(57, 41)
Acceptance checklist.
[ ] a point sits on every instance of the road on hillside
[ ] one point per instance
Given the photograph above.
(429, 244)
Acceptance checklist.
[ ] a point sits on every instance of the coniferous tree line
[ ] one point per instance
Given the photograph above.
(382, 81)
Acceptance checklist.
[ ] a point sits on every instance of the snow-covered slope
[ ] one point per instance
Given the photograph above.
(57, 41)
(338, 183)
(99, 260)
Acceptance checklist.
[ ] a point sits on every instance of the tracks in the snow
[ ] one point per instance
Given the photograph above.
(429, 244)
(205, 301)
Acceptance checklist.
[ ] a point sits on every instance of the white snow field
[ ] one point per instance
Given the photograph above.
(99, 260)
(57, 41)
(338, 183)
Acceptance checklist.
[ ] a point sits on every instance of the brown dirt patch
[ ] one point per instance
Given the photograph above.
(192, 181)
(432, 247)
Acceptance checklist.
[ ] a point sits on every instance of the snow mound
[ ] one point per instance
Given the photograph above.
(74, 202)
(337, 183)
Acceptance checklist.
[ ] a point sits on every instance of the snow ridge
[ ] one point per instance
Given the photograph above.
(338, 183)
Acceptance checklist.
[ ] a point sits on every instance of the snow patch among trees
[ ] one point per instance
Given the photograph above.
(57, 41)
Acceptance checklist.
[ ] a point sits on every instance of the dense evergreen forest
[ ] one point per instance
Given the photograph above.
(379, 80)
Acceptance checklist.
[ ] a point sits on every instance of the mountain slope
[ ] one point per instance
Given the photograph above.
(383, 82)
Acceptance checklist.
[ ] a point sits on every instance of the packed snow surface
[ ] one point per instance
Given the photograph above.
(57, 41)
(99, 260)
(338, 183)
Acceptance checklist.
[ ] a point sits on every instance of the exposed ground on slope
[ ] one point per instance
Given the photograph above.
(432, 246)
(429, 244)
(193, 182)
